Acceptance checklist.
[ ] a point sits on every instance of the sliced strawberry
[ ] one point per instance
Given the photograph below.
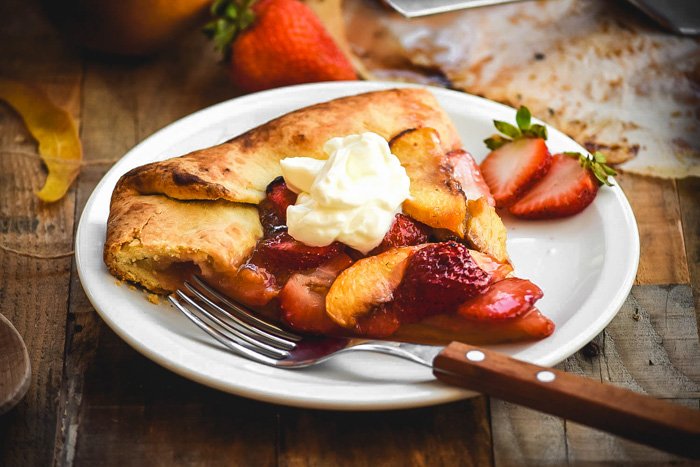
(505, 299)
(273, 209)
(303, 298)
(437, 279)
(405, 231)
(514, 167)
(466, 171)
(283, 253)
(566, 190)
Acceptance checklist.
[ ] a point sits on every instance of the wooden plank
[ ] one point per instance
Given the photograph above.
(650, 347)
(116, 407)
(452, 434)
(689, 195)
(522, 436)
(653, 346)
(591, 447)
(108, 131)
(33, 292)
(655, 204)
(134, 412)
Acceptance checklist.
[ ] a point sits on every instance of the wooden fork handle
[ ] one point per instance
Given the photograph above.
(619, 411)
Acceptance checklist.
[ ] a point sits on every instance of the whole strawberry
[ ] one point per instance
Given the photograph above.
(272, 43)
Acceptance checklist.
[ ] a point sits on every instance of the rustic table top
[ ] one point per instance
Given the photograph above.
(94, 400)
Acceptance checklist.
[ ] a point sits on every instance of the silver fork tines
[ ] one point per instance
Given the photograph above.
(244, 314)
(253, 337)
(270, 337)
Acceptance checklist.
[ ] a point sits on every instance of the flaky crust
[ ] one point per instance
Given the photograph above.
(200, 208)
(240, 169)
(146, 234)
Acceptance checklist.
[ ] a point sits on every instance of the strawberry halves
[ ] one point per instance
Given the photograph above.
(514, 167)
(565, 190)
(273, 209)
(438, 278)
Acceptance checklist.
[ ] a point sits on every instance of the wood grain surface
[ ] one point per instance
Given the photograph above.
(95, 401)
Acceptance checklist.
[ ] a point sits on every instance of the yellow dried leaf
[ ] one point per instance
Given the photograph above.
(55, 131)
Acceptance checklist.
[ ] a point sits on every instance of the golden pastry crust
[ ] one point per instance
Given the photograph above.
(148, 234)
(240, 169)
(199, 209)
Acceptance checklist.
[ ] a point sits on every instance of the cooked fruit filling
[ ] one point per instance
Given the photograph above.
(387, 228)
(437, 279)
(281, 253)
(406, 279)
(273, 209)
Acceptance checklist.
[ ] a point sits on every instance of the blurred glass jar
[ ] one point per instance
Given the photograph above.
(126, 27)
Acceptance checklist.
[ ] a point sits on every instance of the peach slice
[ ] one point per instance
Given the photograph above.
(496, 269)
(366, 284)
(485, 229)
(436, 197)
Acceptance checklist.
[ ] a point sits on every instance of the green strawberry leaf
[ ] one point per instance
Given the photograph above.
(496, 141)
(231, 12)
(218, 7)
(523, 118)
(536, 131)
(229, 19)
(507, 129)
(595, 163)
(524, 129)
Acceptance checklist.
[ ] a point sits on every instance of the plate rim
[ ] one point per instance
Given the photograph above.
(453, 394)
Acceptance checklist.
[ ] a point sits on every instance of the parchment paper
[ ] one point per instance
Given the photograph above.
(597, 70)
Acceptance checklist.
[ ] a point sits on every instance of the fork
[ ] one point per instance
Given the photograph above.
(610, 408)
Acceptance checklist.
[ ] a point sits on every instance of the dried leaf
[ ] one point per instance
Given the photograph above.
(55, 131)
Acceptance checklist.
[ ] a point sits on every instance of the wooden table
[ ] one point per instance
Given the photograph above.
(95, 400)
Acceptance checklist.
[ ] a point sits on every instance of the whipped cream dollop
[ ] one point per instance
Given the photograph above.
(351, 197)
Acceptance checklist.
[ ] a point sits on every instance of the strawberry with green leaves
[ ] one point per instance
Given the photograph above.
(531, 183)
(567, 189)
(518, 158)
(272, 43)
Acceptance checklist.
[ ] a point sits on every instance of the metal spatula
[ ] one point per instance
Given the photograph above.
(681, 16)
(415, 8)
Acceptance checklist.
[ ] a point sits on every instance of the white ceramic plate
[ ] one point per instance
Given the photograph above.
(585, 264)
